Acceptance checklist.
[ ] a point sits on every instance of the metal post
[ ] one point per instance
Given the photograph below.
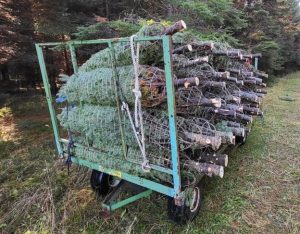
(256, 63)
(172, 115)
(73, 57)
(45, 78)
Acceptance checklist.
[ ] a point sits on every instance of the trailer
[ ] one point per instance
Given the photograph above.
(137, 114)
(108, 177)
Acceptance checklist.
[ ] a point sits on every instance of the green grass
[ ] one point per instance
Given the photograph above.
(258, 194)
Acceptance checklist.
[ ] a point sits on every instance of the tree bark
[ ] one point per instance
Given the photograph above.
(218, 159)
(244, 118)
(250, 82)
(233, 124)
(213, 102)
(67, 67)
(203, 47)
(260, 74)
(182, 82)
(235, 71)
(233, 79)
(213, 84)
(187, 82)
(224, 112)
(247, 74)
(240, 82)
(107, 9)
(234, 99)
(248, 96)
(238, 131)
(257, 55)
(220, 53)
(206, 168)
(183, 49)
(237, 108)
(234, 53)
(52, 76)
(4, 72)
(227, 137)
(203, 140)
(252, 110)
(258, 80)
(177, 27)
(222, 75)
(203, 101)
(189, 63)
(263, 91)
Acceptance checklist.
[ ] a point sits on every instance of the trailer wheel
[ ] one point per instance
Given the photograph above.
(102, 183)
(191, 207)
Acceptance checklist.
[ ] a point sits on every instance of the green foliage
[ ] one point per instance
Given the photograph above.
(110, 29)
(271, 28)
(267, 45)
(214, 13)
(24, 22)
(207, 10)
(219, 38)
(4, 112)
(272, 61)
(282, 27)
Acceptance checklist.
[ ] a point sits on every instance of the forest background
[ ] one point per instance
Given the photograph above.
(268, 26)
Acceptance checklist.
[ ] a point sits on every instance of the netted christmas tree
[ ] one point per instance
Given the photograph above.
(117, 103)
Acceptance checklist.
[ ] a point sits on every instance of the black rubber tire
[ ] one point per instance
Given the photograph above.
(240, 140)
(102, 183)
(183, 214)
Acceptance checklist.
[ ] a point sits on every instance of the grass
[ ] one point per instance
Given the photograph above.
(258, 194)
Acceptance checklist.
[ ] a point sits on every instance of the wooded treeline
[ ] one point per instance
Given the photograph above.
(268, 26)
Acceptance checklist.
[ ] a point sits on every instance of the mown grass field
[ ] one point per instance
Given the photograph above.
(260, 192)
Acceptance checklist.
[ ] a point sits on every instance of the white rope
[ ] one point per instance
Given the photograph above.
(138, 116)
(136, 90)
(145, 164)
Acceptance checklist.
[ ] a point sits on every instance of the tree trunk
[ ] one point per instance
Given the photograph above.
(203, 140)
(203, 47)
(260, 74)
(227, 137)
(177, 27)
(187, 82)
(206, 168)
(183, 49)
(107, 9)
(218, 159)
(237, 108)
(232, 124)
(51, 73)
(4, 72)
(234, 99)
(216, 84)
(67, 67)
(244, 118)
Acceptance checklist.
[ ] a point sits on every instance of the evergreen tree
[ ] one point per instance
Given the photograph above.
(268, 26)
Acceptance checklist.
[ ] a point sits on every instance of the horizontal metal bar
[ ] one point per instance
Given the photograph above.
(51, 43)
(153, 166)
(131, 178)
(127, 201)
(102, 41)
(161, 169)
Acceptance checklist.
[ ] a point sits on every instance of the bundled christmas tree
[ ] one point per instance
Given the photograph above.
(117, 103)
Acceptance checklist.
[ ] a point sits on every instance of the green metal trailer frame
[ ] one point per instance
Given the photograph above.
(176, 190)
